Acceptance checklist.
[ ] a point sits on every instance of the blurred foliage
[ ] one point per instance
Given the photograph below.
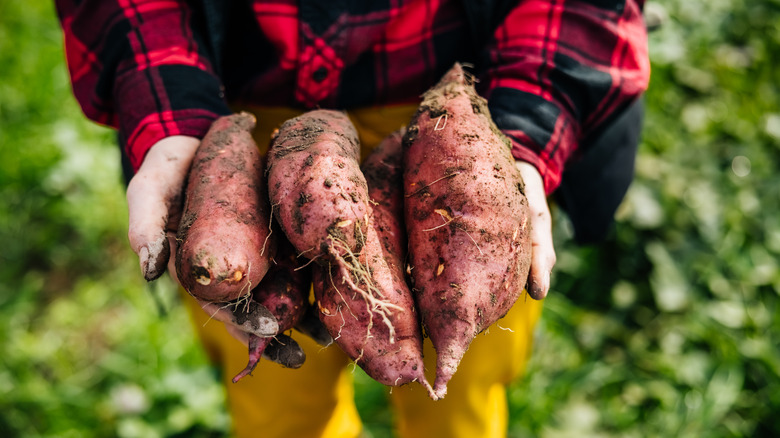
(672, 328)
(668, 329)
(84, 351)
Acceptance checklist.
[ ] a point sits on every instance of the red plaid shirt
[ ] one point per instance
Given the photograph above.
(553, 71)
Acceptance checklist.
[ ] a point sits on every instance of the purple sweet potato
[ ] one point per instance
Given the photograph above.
(224, 241)
(365, 302)
(284, 291)
(467, 219)
(311, 326)
(318, 193)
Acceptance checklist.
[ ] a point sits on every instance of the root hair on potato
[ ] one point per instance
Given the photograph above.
(504, 328)
(303, 266)
(244, 299)
(343, 323)
(475, 242)
(437, 128)
(333, 284)
(270, 229)
(446, 222)
(449, 219)
(212, 315)
(421, 189)
(371, 294)
(300, 254)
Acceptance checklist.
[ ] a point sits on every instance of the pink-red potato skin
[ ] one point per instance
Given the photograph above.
(284, 291)
(467, 219)
(318, 193)
(223, 239)
(365, 337)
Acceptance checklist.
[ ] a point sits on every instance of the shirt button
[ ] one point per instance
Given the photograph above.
(320, 74)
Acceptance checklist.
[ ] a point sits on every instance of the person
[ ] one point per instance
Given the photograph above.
(562, 78)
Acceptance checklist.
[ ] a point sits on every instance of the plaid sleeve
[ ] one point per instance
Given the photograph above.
(559, 70)
(139, 66)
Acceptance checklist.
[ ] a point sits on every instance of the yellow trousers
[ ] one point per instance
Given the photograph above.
(317, 400)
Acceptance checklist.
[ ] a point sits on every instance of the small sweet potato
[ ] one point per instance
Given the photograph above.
(318, 193)
(466, 217)
(365, 303)
(284, 291)
(224, 242)
(311, 326)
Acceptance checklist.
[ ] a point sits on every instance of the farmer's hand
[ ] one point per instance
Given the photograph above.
(542, 250)
(154, 201)
(249, 328)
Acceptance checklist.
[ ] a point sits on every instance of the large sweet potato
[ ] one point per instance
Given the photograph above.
(224, 245)
(467, 219)
(365, 303)
(318, 193)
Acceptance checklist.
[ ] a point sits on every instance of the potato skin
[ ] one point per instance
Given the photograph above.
(224, 246)
(361, 332)
(315, 184)
(391, 359)
(467, 219)
(284, 291)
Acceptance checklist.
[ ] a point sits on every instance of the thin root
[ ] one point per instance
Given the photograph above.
(350, 266)
(475, 242)
(446, 222)
(504, 328)
(449, 175)
(270, 228)
(311, 260)
(437, 128)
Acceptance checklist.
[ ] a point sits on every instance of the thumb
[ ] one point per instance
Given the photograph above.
(154, 198)
(543, 252)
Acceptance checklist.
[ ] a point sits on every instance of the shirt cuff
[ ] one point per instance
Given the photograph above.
(549, 170)
(166, 100)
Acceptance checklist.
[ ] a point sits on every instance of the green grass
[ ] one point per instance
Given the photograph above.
(671, 328)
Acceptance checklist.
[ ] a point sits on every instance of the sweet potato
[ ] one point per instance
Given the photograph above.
(467, 219)
(285, 292)
(318, 193)
(224, 241)
(365, 303)
(311, 326)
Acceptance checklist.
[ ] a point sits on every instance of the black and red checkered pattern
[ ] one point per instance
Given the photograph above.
(553, 70)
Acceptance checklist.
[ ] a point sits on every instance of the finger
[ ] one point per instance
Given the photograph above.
(152, 195)
(148, 217)
(542, 252)
(285, 351)
(542, 258)
(238, 334)
(249, 317)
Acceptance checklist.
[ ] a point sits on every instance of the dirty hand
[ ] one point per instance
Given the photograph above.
(154, 203)
(543, 251)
